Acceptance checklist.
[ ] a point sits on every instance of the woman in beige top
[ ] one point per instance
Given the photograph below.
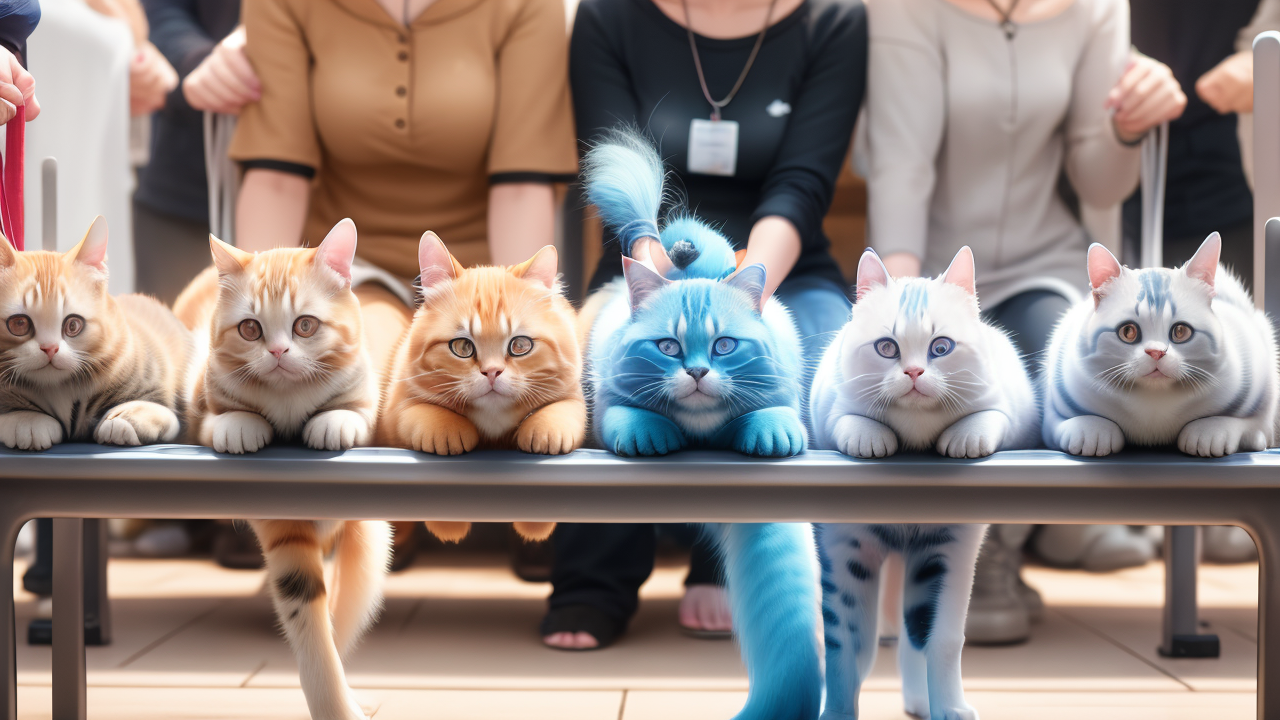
(976, 109)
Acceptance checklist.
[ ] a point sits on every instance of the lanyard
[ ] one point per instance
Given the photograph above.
(1006, 18)
(697, 61)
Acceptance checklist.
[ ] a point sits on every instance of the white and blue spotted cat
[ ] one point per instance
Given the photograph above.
(1160, 356)
(916, 368)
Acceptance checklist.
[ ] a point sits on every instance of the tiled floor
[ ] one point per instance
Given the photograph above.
(458, 642)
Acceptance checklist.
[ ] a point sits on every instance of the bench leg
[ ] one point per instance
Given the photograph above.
(68, 619)
(1268, 539)
(9, 527)
(1181, 632)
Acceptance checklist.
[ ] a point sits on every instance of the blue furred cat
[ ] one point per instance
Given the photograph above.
(685, 353)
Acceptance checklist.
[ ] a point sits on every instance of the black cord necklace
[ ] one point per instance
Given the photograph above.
(1006, 18)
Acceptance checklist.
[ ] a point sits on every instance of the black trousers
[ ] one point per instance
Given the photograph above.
(604, 565)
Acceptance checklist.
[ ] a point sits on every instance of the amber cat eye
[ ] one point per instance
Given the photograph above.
(250, 330)
(72, 326)
(306, 326)
(462, 347)
(1180, 332)
(18, 325)
(1129, 332)
(520, 345)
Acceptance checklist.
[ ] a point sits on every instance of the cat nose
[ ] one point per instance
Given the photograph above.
(914, 372)
(1155, 354)
(50, 350)
(697, 373)
(492, 374)
(278, 351)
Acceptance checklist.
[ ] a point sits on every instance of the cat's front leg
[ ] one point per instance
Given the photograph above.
(554, 429)
(26, 430)
(631, 431)
(137, 423)
(337, 430)
(1089, 435)
(1218, 436)
(768, 432)
(432, 429)
(236, 432)
(862, 437)
(974, 436)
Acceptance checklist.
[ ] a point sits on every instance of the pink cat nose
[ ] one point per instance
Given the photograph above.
(914, 372)
(50, 350)
(1155, 354)
(492, 374)
(278, 351)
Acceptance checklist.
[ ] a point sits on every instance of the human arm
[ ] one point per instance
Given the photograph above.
(1146, 95)
(521, 221)
(151, 76)
(215, 75)
(1228, 87)
(17, 87)
(271, 209)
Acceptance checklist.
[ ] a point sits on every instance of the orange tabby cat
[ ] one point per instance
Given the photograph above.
(77, 364)
(286, 359)
(491, 360)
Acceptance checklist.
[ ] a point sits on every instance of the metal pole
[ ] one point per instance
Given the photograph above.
(49, 205)
(1181, 628)
(1266, 154)
(68, 619)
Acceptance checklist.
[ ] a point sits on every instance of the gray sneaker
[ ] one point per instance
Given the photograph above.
(998, 612)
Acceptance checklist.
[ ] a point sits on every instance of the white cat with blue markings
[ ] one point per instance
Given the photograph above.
(1162, 357)
(915, 368)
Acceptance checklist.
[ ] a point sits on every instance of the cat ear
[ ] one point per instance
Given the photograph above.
(92, 250)
(1203, 266)
(229, 260)
(1103, 268)
(434, 261)
(961, 271)
(542, 267)
(338, 249)
(641, 281)
(871, 273)
(8, 256)
(661, 260)
(750, 280)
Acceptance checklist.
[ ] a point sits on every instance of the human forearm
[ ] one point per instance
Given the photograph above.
(521, 221)
(774, 243)
(271, 210)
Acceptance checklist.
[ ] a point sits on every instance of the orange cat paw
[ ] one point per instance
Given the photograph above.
(534, 531)
(550, 431)
(449, 531)
(137, 423)
(453, 438)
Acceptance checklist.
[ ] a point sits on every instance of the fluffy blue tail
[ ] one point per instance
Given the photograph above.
(624, 180)
(773, 593)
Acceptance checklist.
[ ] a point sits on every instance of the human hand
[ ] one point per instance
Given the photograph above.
(1146, 95)
(17, 87)
(151, 79)
(225, 81)
(1228, 87)
(901, 264)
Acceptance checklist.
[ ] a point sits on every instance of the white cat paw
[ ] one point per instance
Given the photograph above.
(137, 423)
(916, 707)
(863, 437)
(1089, 435)
(964, 712)
(1216, 436)
(29, 430)
(336, 430)
(977, 435)
(355, 710)
(240, 432)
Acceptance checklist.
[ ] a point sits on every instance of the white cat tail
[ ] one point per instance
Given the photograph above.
(871, 273)
(1103, 268)
(1203, 266)
(624, 180)
(363, 558)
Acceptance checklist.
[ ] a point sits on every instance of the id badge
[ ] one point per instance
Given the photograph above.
(713, 147)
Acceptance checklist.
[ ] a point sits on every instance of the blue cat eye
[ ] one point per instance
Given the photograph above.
(887, 348)
(668, 346)
(941, 346)
(724, 346)
(1181, 332)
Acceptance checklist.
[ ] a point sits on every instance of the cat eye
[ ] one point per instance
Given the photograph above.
(887, 348)
(462, 347)
(941, 346)
(668, 346)
(724, 346)
(250, 330)
(1181, 332)
(520, 345)
(72, 326)
(18, 325)
(1129, 332)
(306, 326)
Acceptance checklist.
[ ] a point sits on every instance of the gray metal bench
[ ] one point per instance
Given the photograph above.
(73, 482)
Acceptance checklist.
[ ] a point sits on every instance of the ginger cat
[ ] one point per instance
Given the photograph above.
(491, 360)
(77, 364)
(286, 359)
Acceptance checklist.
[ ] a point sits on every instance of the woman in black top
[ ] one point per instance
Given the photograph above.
(631, 64)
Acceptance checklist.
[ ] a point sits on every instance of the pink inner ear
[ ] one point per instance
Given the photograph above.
(1203, 266)
(93, 249)
(1103, 266)
(434, 262)
(338, 250)
(544, 266)
(871, 273)
(961, 271)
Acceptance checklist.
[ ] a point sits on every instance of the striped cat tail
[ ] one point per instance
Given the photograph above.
(363, 558)
(624, 177)
(773, 593)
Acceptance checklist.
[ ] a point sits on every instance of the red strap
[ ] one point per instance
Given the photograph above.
(11, 178)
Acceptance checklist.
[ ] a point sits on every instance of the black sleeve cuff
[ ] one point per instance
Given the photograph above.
(305, 171)
(532, 177)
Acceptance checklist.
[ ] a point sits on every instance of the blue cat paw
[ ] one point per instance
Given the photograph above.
(632, 431)
(771, 432)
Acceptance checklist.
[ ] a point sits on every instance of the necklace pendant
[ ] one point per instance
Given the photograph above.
(1009, 29)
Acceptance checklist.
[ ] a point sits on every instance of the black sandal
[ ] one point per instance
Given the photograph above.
(583, 618)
